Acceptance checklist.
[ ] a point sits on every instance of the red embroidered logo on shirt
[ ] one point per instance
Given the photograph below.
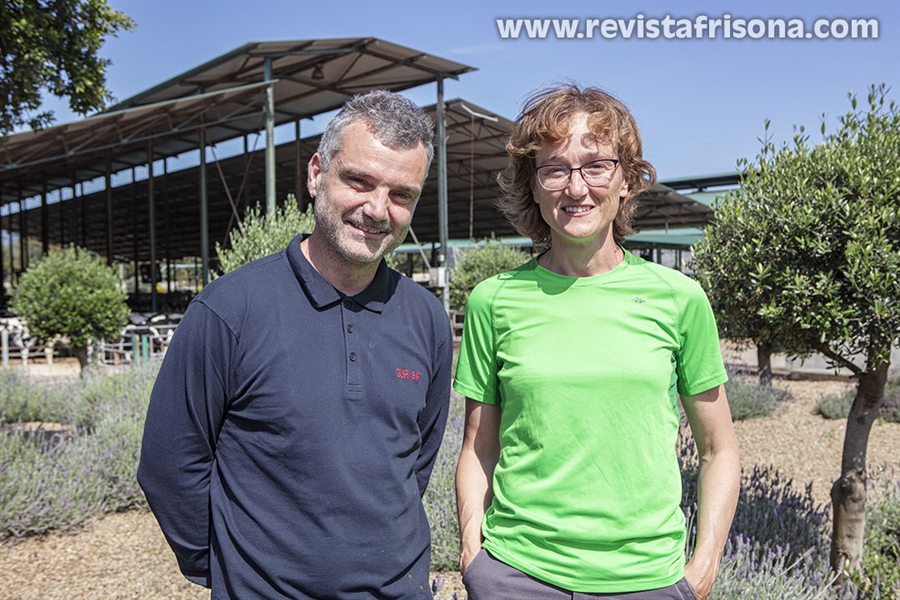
(407, 374)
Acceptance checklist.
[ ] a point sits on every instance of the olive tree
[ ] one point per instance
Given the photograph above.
(809, 247)
(71, 293)
(733, 293)
(51, 46)
(260, 234)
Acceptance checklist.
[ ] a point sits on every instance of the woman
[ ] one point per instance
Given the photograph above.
(568, 480)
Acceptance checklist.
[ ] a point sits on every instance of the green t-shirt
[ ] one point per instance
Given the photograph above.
(586, 371)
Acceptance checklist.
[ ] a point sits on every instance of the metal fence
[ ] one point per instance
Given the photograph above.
(145, 338)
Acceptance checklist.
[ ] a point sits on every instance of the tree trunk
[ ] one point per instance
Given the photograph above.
(82, 354)
(764, 363)
(848, 494)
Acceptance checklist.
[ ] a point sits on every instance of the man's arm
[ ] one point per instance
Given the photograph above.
(720, 478)
(178, 448)
(475, 473)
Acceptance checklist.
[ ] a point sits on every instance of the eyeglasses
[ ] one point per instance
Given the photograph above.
(556, 177)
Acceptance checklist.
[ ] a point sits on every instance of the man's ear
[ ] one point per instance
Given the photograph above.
(314, 174)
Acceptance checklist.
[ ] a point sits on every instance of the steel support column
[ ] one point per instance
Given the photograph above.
(442, 195)
(299, 180)
(83, 207)
(134, 236)
(204, 210)
(244, 200)
(110, 250)
(2, 268)
(62, 215)
(167, 226)
(45, 221)
(151, 225)
(23, 234)
(270, 138)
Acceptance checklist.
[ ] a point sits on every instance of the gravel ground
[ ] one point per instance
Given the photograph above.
(124, 556)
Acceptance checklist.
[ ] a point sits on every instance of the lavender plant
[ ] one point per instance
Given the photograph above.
(778, 543)
(24, 399)
(57, 482)
(440, 497)
(747, 399)
(837, 406)
(880, 576)
(751, 570)
(777, 547)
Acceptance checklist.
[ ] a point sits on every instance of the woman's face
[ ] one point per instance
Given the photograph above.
(579, 213)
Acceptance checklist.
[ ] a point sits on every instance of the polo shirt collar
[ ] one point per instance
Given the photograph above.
(322, 294)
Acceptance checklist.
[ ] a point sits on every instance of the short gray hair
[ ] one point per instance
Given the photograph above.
(395, 121)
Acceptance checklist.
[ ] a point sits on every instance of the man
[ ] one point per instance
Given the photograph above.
(298, 412)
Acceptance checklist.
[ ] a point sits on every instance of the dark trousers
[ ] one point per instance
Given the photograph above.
(487, 578)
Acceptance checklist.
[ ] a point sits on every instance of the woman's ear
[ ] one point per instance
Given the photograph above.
(623, 191)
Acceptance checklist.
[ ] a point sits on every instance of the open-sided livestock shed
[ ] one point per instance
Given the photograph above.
(116, 183)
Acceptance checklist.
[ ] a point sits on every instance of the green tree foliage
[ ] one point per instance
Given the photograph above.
(71, 293)
(806, 253)
(477, 264)
(260, 234)
(51, 46)
(733, 293)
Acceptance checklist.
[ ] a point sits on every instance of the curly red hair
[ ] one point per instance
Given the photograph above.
(545, 119)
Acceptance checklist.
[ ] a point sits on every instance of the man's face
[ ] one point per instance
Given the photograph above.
(366, 199)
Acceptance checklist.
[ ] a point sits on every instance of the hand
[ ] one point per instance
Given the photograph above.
(466, 555)
(698, 579)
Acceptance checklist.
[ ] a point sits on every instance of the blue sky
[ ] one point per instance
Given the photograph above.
(701, 103)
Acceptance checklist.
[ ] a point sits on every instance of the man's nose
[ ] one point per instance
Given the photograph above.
(377, 206)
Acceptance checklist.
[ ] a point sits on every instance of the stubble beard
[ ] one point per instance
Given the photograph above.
(344, 243)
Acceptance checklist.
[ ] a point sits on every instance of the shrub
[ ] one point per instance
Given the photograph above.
(20, 401)
(837, 406)
(777, 547)
(59, 482)
(71, 294)
(747, 399)
(770, 512)
(260, 235)
(778, 543)
(880, 577)
(478, 264)
(440, 497)
(752, 571)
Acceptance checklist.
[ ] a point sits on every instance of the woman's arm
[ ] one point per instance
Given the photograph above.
(720, 477)
(474, 474)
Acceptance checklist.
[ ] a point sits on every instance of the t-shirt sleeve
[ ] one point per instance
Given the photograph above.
(700, 365)
(476, 372)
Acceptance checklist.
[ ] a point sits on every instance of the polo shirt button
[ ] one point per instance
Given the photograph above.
(349, 328)
(353, 356)
(346, 304)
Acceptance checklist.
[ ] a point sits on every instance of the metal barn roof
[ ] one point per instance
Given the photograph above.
(225, 98)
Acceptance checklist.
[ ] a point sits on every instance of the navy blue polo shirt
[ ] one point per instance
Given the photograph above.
(292, 431)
